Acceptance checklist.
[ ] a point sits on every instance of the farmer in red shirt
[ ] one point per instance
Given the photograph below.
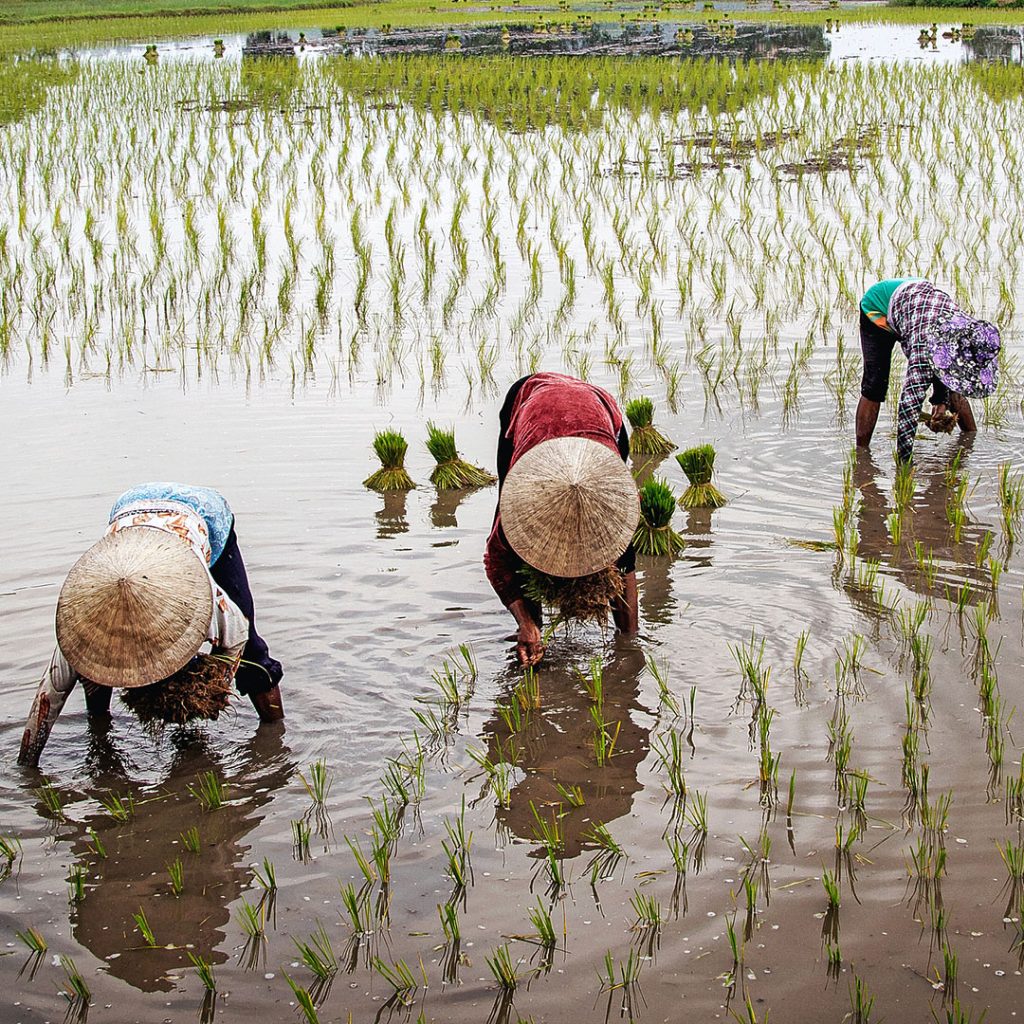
(567, 504)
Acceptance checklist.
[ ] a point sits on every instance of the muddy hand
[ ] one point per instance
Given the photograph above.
(941, 420)
(529, 645)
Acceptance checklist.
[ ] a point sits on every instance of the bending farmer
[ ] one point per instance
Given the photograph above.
(567, 508)
(137, 607)
(953, 353)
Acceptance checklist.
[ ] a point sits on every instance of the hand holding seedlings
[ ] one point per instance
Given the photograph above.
(567, 510)
(941, 420)
(170, 562)
(954, 354)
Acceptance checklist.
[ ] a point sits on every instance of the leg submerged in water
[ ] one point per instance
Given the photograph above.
(259, 674)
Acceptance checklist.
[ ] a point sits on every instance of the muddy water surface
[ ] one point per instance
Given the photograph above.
(364, 597)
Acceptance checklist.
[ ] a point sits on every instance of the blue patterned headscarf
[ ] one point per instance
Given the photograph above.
(965, 354)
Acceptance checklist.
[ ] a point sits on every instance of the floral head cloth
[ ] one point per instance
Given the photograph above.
(965, 354)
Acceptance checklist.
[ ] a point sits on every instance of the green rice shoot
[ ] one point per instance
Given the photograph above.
(645, 438)
(390, 447)
(452, 472)
(698, 464)
(654, 534)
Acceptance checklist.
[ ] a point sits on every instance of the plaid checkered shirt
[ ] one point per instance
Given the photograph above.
(916, 309)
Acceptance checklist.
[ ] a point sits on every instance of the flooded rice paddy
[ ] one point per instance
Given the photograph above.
(234, 271)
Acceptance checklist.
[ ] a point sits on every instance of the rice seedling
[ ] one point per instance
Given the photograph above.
(861, 1002)
(10, 851)
(606, 735)
(75, 990)
(645, 438)
(176, 873)
(266, 877)
(37, 947)
(318, 954)
(121, 808)
(190, 840)
(142, 926)
(499, 776)
(456, 849)
(1011, 500)
(318, 785)
(505, 972)
(622, 977)
(304, 999)
(399, 976)
(53, 803)
(572, 795)
(301, 834)
(698, 464)
(1012, 856)
(754, 674)
(208, 791)
(647, 910)
(449, 916)
(654, 534)
(956, 1013)
(668, 748)
(204, 971)
(527, 691)
(357, 908)
(452, 472)
(76, 883)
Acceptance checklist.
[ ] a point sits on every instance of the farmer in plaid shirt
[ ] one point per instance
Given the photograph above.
(952, 353)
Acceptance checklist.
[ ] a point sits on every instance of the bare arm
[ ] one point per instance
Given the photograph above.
(529, 644)
(57, 682)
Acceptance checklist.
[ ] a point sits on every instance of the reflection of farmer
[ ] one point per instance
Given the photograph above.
(137, 607)
(945, 348)
(133, 873)
(568, 507)
(929, 525)
(557, 748)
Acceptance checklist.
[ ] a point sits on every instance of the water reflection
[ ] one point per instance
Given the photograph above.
(657, 602)
(576, 35)
(955, 561)
(446, 504)
(556, 747)
(25, 83)
(995, 43)
(391, 519)
(133, 874)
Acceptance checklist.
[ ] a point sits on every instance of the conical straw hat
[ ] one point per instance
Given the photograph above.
(569, 507)
(134, 608)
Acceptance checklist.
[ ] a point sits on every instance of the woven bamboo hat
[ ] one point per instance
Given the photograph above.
(134, 608)
(569, 507)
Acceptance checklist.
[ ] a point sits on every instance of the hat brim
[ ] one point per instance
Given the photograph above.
(134, 608)
(569, 507)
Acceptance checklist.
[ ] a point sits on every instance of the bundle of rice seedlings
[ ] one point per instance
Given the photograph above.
(452, 472)
(943, 424)
(645, 439)
(390, 447)
(199, 690)
(578, 599)
(654, 535)
(698, 464)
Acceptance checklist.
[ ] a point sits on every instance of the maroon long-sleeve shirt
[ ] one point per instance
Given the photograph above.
(546, 406)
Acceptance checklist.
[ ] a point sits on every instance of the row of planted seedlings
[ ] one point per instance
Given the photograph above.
(971, 609)
(323, 215)
(366, 901)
